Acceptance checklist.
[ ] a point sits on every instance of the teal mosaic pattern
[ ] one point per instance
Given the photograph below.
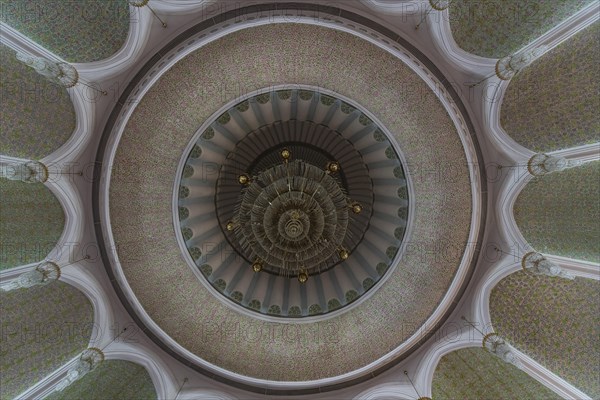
(554, 321)
(558, 213)
(77, 31)
(37, 116)
(553, 104)
(476, 374)
(113, 379)
(42, 328)
(31, 223)
(497, 28)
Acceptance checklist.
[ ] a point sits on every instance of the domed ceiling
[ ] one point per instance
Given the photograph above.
(290, 199)
(293, 203)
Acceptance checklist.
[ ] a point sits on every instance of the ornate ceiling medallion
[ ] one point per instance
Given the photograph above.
(295, 200)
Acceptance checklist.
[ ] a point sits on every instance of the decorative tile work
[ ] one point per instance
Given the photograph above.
(77, 31)
(113, 379)
(352, 68)
(31, 223)
(42, 328)
(553, 104)
(476, 374)
(37, 116)
(555, 321)
(558, 213)
(497, 28)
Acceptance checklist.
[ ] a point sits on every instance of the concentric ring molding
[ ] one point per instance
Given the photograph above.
(398, 160)
(357, 368)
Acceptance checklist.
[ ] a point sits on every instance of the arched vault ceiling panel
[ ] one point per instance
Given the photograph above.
(555, 321)
(77, 31)
(37, 116)
(113, 379)
(559, 213)
(31, 222)
(57, 326)
(474, 373)
(553, 104)
(497, 28)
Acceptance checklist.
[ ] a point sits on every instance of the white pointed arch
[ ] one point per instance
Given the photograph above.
(388, 391)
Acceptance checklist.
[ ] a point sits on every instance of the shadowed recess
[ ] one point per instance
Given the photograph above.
(555, 322)
(113, 379)
(553, 104)
(476, 374)
(497, 28)
(31, 222)
(58, 326)
(558, 213)
(77, 31)
(37, 116)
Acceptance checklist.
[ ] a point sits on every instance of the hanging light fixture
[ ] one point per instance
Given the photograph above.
(29, 172)
(44, 273)
(542, 164)
(507, 67)
(538, 264)
(88, 360)
(293, 217)
(60, 73)
(497, 346)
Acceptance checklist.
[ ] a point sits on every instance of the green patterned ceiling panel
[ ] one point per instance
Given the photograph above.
(555, 321)
(476, 374)
(42, 329)
(31, 223)
(553, 104)
(558, 213)
(497, 28)
(37, 116)
(113, 379)
(77, 31)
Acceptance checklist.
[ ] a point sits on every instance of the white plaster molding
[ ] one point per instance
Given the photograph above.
(515, 181)
(438, 23)
(398, 7)
(18, 42)
(77, 276)
(549, 379)
(225, 28)
(140, 25)
(581, 268)
(495, 89)
(164, 381)
(84, 100)
(423, 379)
(177, 7)
(9, 274)
(81, 96)
(204, 394)
(388, 391)
(481, 313)
(585, 153)
(46, 386)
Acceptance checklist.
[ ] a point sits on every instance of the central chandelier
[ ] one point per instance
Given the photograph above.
(293, 218)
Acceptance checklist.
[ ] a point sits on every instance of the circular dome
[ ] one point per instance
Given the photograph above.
(294, 199)
(144, 178)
